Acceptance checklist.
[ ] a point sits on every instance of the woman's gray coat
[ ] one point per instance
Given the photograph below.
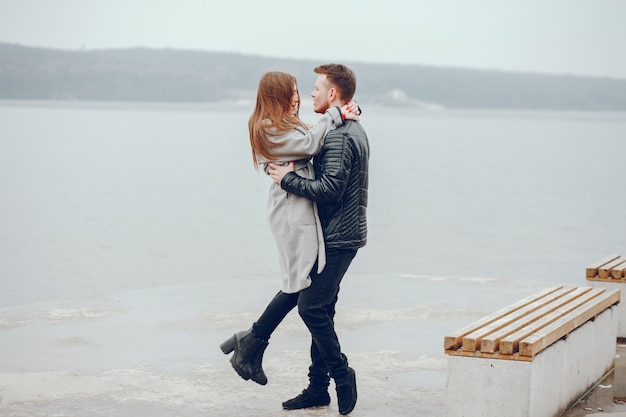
(294, 220)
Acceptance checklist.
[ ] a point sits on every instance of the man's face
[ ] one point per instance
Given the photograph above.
(321, 94)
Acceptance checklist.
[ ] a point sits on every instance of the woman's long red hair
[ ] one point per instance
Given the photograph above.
(272, 111)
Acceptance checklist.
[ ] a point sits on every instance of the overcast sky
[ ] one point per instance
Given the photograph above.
(581, 37)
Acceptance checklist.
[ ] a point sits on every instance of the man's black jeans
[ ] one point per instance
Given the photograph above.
(316, 306)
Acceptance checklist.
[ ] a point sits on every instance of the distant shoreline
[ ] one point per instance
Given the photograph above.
(169, 75)
(306, 110)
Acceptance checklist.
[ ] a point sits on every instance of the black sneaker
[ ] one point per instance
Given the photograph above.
(346, 393)
(310, 397)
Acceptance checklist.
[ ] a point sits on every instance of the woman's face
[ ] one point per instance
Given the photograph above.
(295, 100)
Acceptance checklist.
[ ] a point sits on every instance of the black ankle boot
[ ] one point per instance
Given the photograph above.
(346, 392)
(310, 397)
(245, 344)
(256, 370)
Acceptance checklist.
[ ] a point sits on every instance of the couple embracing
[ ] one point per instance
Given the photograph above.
(317, 214)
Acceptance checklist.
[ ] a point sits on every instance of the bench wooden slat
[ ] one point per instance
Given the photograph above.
(493, 342)
(509, 344)
(454, 339)
(605, 270)
(472, 341)
(592, 270)
(619, 272)
(563, 326)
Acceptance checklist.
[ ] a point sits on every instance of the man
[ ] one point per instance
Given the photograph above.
(340, 191)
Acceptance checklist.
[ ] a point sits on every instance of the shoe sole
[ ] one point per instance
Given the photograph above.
(313, 407)
(306, 408)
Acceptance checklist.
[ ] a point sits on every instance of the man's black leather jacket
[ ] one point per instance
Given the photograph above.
(339, 187)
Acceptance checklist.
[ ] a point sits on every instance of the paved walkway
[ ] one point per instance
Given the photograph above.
(155, 352)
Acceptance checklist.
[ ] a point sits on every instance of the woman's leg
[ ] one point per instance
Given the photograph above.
(274, 314)
(249, 345)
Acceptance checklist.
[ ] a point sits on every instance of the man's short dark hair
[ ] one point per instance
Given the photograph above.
(341, 77)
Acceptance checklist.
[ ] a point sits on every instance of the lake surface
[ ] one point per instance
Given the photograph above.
(99, 198)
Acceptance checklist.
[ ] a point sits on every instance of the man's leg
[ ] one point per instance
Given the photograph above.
(318, 371)
(316, 306)
(316, 394)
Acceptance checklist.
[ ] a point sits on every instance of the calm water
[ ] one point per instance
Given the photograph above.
(102, 198)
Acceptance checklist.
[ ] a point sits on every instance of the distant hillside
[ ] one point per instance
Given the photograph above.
(141, 74)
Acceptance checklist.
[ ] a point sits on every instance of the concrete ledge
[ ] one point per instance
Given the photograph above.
(621, 307)
(545, 387)
(610, 273)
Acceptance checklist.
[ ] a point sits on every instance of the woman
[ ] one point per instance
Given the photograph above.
(278, 135)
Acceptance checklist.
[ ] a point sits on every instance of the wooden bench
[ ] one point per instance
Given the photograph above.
(535, 357)
(610, 273)
(611, 268)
